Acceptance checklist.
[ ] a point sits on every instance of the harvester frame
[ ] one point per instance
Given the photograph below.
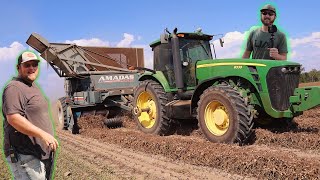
(97, 79)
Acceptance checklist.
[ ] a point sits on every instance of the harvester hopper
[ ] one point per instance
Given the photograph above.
(97, 79)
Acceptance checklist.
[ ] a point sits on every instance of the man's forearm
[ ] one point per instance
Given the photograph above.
(281, 57)
(246, 54)
(22, 125)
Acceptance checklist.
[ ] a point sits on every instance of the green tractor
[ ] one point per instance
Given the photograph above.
(225, 96)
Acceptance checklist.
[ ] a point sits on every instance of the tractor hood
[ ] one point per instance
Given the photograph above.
(236, 67)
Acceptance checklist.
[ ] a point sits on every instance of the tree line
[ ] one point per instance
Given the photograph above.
(311, 76)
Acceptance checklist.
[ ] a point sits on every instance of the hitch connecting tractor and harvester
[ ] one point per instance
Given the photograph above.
(226, 96)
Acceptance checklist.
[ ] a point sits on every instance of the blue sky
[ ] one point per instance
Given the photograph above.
(137, 23)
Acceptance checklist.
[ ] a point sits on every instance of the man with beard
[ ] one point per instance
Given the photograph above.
(259, 40)
(29, 141)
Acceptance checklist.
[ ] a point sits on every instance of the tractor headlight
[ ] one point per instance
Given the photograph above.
(284, 70)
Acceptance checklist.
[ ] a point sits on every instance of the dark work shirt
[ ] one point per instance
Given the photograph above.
(20, 97)
(259, 42)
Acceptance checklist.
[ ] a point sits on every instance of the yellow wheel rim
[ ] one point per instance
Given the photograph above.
(148, 108)
(216, 118)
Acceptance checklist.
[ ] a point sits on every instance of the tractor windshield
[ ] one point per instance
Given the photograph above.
(192, 50)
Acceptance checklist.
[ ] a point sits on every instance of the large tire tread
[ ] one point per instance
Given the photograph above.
(245, 124)
(63, 107)
(164, 124)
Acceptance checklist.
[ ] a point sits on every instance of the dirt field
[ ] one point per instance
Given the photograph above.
(274, 154)
(126, 153)
(310, 84)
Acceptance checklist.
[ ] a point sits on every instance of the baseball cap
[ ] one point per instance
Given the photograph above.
(268, 7)
(27, 56)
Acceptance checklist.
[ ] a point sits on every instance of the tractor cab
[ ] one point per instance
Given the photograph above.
(189, 47)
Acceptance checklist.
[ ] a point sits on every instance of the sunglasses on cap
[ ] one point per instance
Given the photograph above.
(27, 65)
(270, 13)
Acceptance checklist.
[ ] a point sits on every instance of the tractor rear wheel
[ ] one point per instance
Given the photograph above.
(149, 108)
(61, 108)
(223, 115)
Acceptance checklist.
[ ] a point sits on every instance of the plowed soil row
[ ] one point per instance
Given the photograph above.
(305, 136)
(275, 153)
(128, 164)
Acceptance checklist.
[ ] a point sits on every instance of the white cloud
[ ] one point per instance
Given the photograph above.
(231, 47)
(51, 83)
(293, 54)
(126, 42)
(306, 51)
(148, 55)
(312, 40)
(11, 52)
(89, 42)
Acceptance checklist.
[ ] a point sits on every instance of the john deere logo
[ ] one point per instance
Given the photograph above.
(116, 78)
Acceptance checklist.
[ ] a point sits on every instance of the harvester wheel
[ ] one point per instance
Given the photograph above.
(112, 122)
(223, 115)
(72, 122)
(62, 113)
(149, 108)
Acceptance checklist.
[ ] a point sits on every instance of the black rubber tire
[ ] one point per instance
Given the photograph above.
(240, 118)
(61, 112)
(72, 122)
(113, 122)
(163, 124)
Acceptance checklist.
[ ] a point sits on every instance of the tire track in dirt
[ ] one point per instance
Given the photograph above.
(292, 154)
(297, 150)
(98, 156)
(253, 160)
(138, 164)
(304, 136)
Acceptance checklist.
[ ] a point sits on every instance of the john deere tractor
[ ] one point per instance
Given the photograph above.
(226, 96)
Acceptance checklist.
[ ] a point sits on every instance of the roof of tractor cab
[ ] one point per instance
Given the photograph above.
(199, 36)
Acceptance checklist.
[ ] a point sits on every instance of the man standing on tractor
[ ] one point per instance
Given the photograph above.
(29, 141)
(266, 42)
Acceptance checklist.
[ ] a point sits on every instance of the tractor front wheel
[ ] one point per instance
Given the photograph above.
(223, 115)
(149, 108)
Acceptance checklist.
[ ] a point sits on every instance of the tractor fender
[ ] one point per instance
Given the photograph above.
(207, 83)
(158, 77)
(200, 88)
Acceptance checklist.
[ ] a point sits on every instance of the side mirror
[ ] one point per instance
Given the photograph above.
(164, 38)
(221, 42)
